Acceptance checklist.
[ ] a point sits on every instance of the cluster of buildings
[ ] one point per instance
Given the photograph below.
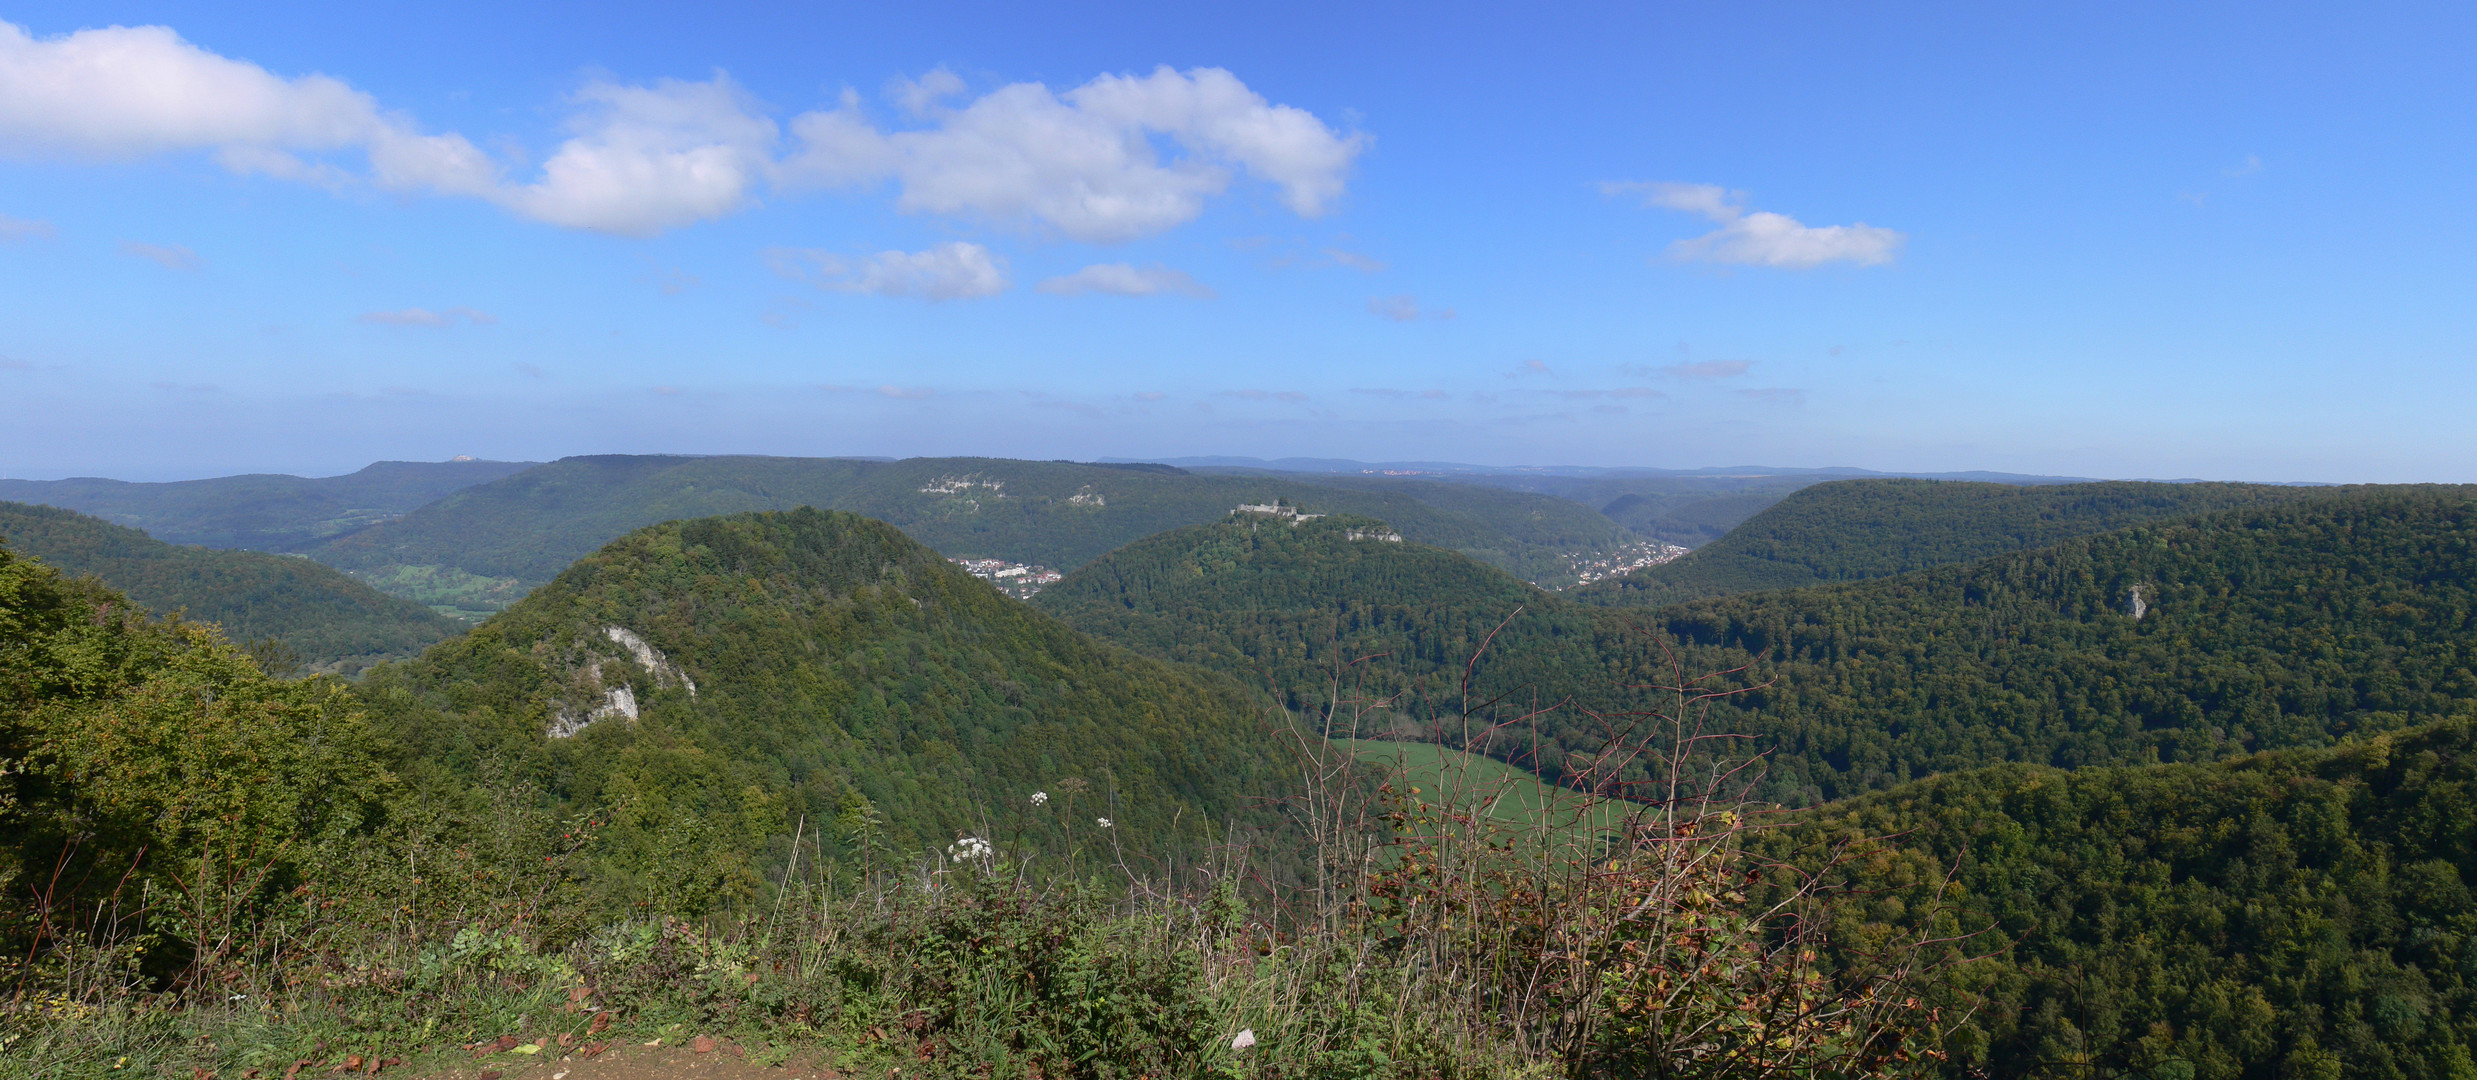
(1282, 510)
(1019, 580)
(1624, 560)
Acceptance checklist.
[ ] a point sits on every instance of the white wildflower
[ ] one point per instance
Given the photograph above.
(1104, 822)
(1039, 797)
(1244, 1040)
(969, 848)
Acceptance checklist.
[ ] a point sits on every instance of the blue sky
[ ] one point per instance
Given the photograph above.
(2215, 241)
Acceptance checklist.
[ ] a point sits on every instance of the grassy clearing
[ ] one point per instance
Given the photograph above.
(1509, 794)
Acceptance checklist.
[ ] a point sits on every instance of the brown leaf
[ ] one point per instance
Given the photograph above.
(492, 1074)
(600, 1020)
(202, 1074)
(506, 1042)
(703, 1045)
(595, 1048)
(296, 1069)
(352, 1063)
(566, 1040)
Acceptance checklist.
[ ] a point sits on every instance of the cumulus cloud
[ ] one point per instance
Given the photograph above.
(128, 91)
(1760, 237)
(1707, 369)
(1088, 164)
(15, 230)
(1084, 163)
(1121, 279)
(642, 159)
(426, 317)
(949, 271)
(169, 256)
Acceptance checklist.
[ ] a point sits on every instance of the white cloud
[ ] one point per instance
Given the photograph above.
(641, 159)
(949, 271)
(13, 230)
(1083, 163)
(648, 158)
(922, 96)
(426, 317)
(169, 256)
(1760, 237)
(1121, 279)
(128, 91)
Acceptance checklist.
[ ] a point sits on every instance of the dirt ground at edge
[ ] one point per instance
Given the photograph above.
(634, 1061)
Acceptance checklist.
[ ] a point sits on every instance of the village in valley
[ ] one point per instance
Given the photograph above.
(1019, 580)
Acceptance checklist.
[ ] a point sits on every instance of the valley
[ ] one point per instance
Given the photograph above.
(2185, 759)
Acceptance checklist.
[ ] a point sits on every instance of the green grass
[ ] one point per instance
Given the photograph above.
(1509, 794)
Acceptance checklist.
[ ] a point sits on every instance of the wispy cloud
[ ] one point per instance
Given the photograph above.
(949, 271)
(426, 317)
(169, 256)
(1122, 279)
(1707, 369)
(1778, 394)
(1403, 307)
(1289, 396)
(1760, 237)
(18, 230)
(1363, 263)
(906, 393)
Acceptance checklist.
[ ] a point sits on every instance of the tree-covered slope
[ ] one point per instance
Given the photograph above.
(1851, 530)
(1282, 605)
(2303, 913)
(786, 667)
(2286, 625)
(262, 512)
(330, 621)
(485, 546)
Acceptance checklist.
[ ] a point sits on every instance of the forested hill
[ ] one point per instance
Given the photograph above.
(484, 546)
(2303, 913)
(1852, 530)
(2283, 625)
(331, 622)
(265, 511)
(808, 666)
(2287, 625)
(1283, 604)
